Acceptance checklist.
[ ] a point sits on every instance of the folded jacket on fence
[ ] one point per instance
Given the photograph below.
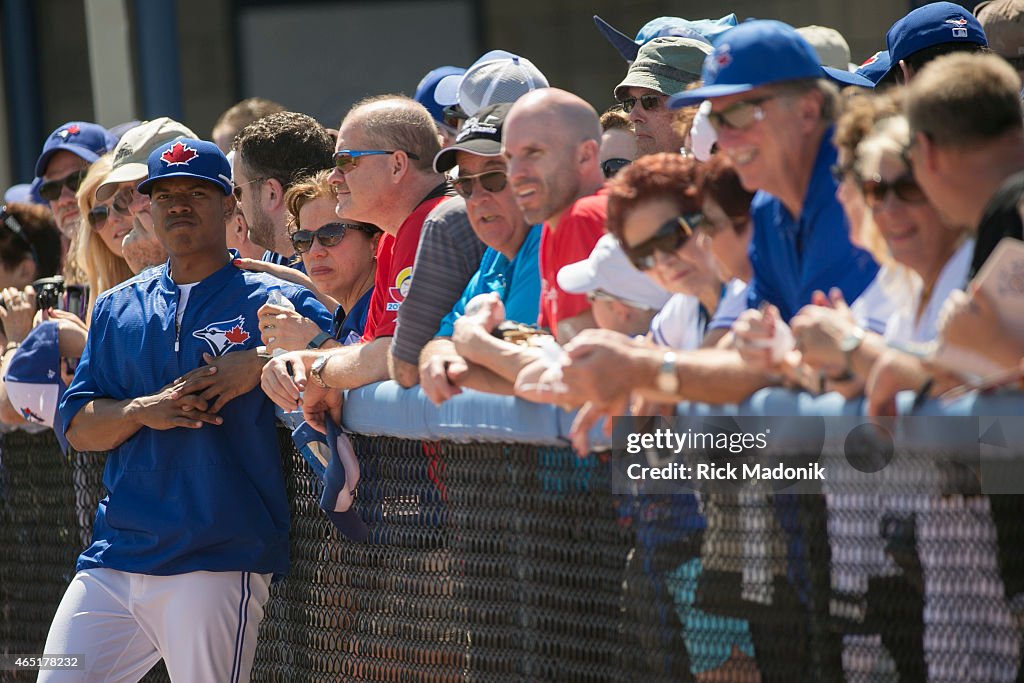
(334, 462)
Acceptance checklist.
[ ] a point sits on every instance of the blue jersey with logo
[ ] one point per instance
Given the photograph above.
(183, 500)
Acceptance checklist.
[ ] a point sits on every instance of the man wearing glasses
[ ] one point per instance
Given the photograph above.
(383, 175)
(663, 67)
(507, 270)
(271, 155)
(62, 165)
(773, 111)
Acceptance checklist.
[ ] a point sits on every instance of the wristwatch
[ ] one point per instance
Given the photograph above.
(316, 368)
(848, 345)
(668, 379)
(318, 341)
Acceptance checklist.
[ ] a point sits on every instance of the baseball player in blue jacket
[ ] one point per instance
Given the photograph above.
(195, 522)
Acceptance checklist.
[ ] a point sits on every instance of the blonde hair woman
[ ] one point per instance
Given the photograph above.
(98, 248)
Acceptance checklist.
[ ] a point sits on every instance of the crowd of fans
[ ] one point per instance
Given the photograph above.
(753, 211)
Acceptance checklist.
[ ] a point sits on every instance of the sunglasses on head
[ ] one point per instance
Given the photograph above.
(648, 102)
(327, 235)
(612, 166)
(905, 188)
(50, 190)
(740, 115)
(492, 181)
(347, 159)
(668, 239)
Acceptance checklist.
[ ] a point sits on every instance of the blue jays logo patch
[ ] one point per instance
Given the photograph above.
(222, 336)
(65, 133)
(30, 416)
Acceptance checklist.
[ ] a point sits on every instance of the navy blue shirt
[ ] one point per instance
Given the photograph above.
(183, 500)
(792, 258)
(348, 326)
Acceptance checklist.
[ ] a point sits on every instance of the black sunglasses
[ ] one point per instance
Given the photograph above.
(492, 181)
(97, 216)
(648, 102)
(453, 115)
(612, 166)
(668, 239)
(905, 188)
(50, 190)
(327, 235)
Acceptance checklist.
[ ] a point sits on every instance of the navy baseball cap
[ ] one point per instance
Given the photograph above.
(188, 158)
(425, 90)
(757, 53)
(334, 462)
(875, 67)
(705, 30)
(934, 24)
(33, 381)
(87, 140)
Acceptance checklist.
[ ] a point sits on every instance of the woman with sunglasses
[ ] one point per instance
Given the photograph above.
(926, 260)
(340, 260)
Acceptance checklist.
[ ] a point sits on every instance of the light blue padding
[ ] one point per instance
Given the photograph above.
(386, 408)
(709, 638)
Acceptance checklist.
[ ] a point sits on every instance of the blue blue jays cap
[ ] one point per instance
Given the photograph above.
(33, 381)
(87, 140)
(188, 158)
(875, 67)
(934, 24)
(334, 462)
(758, 53)
(425, 90)
(705, 30)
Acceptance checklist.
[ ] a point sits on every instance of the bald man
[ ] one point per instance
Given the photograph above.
(552, 140)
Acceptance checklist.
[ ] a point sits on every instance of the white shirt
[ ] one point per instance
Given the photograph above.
(875, 305)
(904, 326)
(678, 324)
(733, 303)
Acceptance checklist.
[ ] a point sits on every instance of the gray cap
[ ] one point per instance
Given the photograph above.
(666, 65)
(132, 152)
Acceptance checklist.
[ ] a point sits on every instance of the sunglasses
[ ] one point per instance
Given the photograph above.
(905, 188)
(327, 235)
(612, 166)
(648, 102)
(236, 191)
(97, 216)
(122, 201)
(740, 115)
(347, 159)
(840, 172)
(50, 190)
(668, 239)
(492, 181)
(453, 116)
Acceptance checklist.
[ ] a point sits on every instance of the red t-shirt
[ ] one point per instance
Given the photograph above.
(395, 256)
(579, 229)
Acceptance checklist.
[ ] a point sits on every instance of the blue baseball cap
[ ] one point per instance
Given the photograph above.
(27, 193)
(33, 381)
(87, 140)
(188, 158)
(335, 464)
(875, 67)
(934, 24)
(757, 53)
(705, 30)
(425, 90)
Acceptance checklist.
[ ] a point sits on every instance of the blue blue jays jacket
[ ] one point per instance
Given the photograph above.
(183, 500)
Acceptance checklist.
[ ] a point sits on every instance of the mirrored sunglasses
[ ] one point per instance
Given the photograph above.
(492, 181)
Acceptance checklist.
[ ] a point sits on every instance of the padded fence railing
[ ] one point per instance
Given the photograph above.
(514, 561)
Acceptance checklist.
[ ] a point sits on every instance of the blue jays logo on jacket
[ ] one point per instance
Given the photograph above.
(223, 335)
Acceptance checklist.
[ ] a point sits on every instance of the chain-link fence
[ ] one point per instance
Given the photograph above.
(515, 562)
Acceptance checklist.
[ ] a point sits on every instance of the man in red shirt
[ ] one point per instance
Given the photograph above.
(552, 139)
(384, 176)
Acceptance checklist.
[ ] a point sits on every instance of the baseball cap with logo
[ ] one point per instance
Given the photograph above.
(757, 53)
(607, 269)
(480, 134)
(33, 381)
(83, 139)
(1003, 23)
(875, 67)
(133, 150)
(705, 30)
(666, 65)
(334, 462)
(188, 158)
(933, 24)
(498, 77)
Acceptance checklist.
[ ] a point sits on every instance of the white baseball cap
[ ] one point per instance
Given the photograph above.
(607, 269)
